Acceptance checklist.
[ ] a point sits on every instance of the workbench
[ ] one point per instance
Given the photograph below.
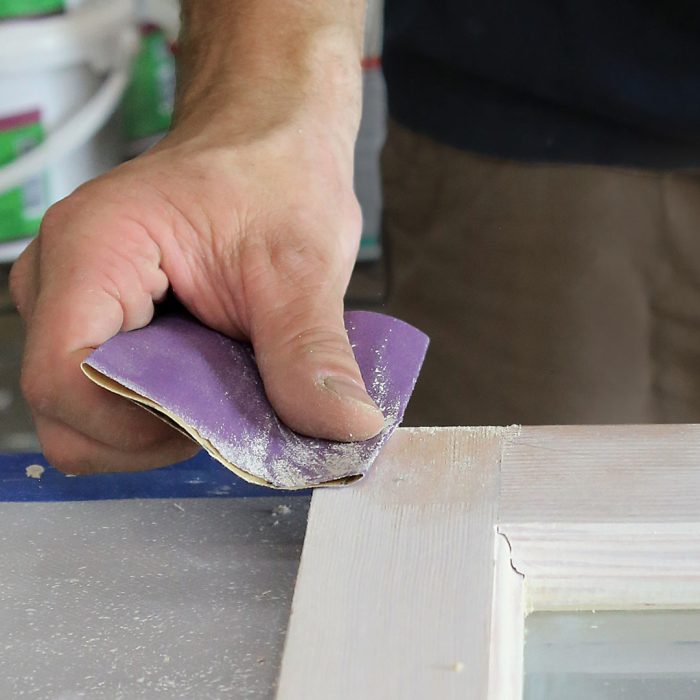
(414, 583)
(174, 583)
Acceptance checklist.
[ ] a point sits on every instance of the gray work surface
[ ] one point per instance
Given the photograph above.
(146, 598)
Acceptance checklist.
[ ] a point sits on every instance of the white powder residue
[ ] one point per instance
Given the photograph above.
(303, 461)
(34, 471)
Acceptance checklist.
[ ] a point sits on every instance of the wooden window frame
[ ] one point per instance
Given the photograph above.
(416, 582)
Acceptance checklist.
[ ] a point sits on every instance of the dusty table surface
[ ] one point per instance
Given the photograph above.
(147, 598)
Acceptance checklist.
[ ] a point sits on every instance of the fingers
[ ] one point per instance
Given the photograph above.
(59, 390)
(305, 359)
(88, 293)
(73, 452)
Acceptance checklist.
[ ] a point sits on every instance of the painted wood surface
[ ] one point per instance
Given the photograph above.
(416, 582)
(607, 565)
(648, 473)
(506, 653)
(394, 593)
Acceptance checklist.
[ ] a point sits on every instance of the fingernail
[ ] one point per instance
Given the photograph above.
(346, 388)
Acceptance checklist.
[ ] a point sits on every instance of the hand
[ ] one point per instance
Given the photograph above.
(256, 236)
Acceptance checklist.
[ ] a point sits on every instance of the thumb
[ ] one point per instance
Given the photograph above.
(310, 374)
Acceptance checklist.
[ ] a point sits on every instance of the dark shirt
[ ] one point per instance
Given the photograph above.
(603, 81)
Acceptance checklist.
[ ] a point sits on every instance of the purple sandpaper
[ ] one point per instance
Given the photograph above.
(211, 385)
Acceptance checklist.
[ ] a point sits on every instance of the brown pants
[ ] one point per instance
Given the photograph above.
(552, 293)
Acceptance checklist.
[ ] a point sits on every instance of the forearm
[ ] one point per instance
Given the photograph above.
(251, 64)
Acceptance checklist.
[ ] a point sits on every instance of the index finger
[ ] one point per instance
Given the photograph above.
(86, 295)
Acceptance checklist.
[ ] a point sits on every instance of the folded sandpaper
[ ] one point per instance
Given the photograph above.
(208, 386)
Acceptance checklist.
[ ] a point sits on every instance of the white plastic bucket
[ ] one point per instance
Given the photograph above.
(71, 69)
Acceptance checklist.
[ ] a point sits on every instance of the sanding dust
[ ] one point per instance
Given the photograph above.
(253, 451)
(238, 427)
(34, 471)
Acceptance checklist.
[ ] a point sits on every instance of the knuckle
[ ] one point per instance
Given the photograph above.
(314, 345)
(22, 278)
(62, 217)
(321, 339)
(278, 270)
(306, 262)
(55, 217)
(17, 283)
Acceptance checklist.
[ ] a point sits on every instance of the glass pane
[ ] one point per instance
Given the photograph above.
(613, 655)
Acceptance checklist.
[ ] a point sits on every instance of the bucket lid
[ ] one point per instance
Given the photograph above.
(84, 34)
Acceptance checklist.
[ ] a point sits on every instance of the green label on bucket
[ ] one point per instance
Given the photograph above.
(21, 208)
(28, 8)
(148, 100)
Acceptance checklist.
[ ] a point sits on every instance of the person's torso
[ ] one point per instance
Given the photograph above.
(580, 80)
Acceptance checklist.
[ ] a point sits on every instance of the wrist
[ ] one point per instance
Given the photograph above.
(313, 81)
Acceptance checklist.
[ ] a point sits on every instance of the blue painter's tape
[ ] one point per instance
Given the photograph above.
(199, 477)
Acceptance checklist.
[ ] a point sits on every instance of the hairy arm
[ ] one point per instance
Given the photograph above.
(256, 63)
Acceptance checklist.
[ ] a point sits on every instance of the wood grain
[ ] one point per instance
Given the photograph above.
(607, 566)
(609, 474)
(394, 593)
